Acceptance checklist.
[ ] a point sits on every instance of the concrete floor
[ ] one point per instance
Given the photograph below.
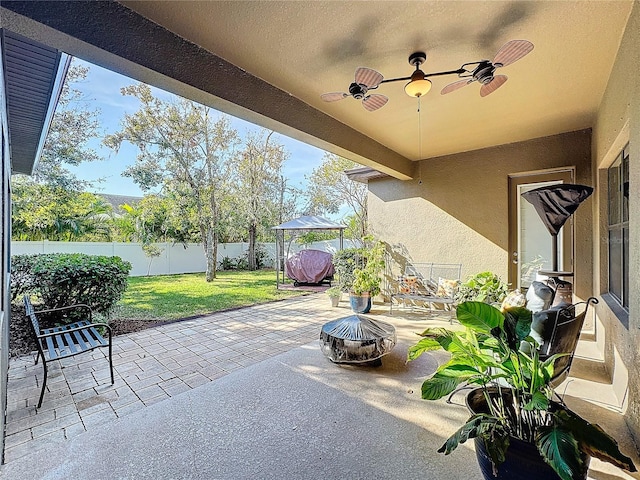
(259, 401)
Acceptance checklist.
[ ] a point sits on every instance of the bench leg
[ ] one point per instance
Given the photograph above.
(110, 359)
(44, 383)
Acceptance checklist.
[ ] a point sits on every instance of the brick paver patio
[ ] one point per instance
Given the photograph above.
(150, 366)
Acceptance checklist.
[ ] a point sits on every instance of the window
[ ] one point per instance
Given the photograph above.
(618, 201)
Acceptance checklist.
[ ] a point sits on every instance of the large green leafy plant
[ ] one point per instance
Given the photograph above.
(517, 391)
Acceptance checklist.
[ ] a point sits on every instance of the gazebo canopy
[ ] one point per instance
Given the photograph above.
(306, 222)
(310, 222)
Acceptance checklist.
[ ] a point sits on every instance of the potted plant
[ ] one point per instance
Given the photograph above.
(483, 287)
(335, 294)
(513, 411)
(366, 280)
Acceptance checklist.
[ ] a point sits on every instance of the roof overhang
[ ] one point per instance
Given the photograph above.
(363, 174)
(33, 79)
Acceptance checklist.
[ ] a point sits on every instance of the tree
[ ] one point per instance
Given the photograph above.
(184, 150)
(258, 172)
(156, 218)
(52, 212)
(330, 189)
(73, 125)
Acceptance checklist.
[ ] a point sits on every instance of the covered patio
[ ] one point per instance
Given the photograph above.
(254, 399)
(448, 161)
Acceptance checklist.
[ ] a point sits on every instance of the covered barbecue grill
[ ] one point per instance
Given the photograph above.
(301, 224)
(309, 267)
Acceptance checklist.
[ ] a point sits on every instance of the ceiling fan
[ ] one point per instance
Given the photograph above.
(483, 71)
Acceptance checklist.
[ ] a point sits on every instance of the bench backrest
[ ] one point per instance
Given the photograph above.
(434, 271)
(29, 312)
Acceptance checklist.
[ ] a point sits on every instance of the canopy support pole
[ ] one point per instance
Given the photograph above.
(554, 252)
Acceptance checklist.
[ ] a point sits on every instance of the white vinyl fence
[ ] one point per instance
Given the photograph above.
(174, 259)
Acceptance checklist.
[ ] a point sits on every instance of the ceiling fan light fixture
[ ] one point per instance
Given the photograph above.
(418, 85)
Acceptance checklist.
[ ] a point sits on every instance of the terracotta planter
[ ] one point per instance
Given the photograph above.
(360, 303)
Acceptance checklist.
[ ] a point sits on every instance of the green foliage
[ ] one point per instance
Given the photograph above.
(73, 126)
(334, 291)
(483, 287)
(60, 279)
(49, 212)
(315, 236)
(227, 263)
(22, 280)
(487, 353)
(359, 269)
(329, 189)
(187, 151)
(367, 278)
(345, 262)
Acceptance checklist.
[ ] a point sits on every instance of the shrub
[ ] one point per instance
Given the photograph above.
(227, 263)
(345, 262)
(61, 279)
(22, 279)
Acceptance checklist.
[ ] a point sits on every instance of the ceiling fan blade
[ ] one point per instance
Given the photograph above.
(334, 96)
(455, 86)
(512, 51)
(374, 102)
(493, 85)
(368, 77)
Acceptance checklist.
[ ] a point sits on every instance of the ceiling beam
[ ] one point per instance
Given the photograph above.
(112, 36)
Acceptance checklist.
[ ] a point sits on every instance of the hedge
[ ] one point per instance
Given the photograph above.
(61, 279)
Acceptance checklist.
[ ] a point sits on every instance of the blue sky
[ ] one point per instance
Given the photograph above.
(102, 88)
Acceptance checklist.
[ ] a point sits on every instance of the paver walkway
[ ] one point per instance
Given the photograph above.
(150, 366)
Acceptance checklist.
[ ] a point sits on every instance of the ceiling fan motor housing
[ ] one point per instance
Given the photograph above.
(357, 91)
(484, 72)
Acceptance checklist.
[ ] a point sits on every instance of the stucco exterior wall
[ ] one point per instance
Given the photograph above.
(617, 123)
(456, 211)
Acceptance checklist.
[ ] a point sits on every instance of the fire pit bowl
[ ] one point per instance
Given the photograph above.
(357, 339)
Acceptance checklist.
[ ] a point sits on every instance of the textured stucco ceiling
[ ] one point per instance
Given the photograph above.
(308, 48)
(269, 62)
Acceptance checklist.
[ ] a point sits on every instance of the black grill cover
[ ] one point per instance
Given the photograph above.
(556, 203)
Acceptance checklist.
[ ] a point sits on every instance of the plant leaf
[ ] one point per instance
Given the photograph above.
(539, 401)
(496, 441)
(457, 368)
(424, 345)
(479, 316)
(464, 433)
(594, 440)
(439, 385)
(560, 450)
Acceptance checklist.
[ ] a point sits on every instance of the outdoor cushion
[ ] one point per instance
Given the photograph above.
(539, 297)
(447, 288)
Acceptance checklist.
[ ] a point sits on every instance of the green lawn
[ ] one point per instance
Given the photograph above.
(170, 297)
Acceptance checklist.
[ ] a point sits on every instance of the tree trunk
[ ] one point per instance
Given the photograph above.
(210, 251)
(252, 247)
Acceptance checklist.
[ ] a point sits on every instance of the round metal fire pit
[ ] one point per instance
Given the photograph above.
(357, 339)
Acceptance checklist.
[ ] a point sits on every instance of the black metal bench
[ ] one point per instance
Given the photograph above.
(67, 340)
